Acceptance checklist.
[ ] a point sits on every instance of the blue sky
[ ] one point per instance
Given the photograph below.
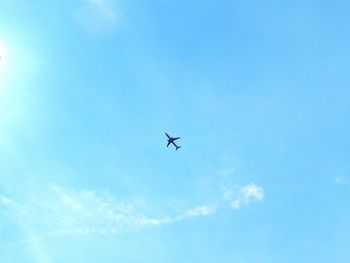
(258, 91)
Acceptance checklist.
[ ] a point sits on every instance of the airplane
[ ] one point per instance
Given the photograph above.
(171, 140)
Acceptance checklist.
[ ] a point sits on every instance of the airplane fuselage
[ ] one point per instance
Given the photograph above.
(171, 140)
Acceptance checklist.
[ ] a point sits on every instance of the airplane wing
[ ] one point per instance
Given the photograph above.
(168, 144)
(167, 135)
(176, 138)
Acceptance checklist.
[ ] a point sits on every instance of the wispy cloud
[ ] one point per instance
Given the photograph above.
(203, 210)
(59, 211)
(238, 196)
(98, 15)
(251, 192)
(339, 180)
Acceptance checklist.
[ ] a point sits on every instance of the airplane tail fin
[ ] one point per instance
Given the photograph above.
(177, 147)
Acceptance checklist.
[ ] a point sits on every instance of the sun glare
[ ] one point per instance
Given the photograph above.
(19, 70)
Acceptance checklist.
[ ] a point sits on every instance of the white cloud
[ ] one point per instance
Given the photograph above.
(251, 192)
(60, 212)
(98, 15)
(238, 196)
(339, 180)
(203, 210)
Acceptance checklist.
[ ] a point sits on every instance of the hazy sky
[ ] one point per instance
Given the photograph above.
(259, 92)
